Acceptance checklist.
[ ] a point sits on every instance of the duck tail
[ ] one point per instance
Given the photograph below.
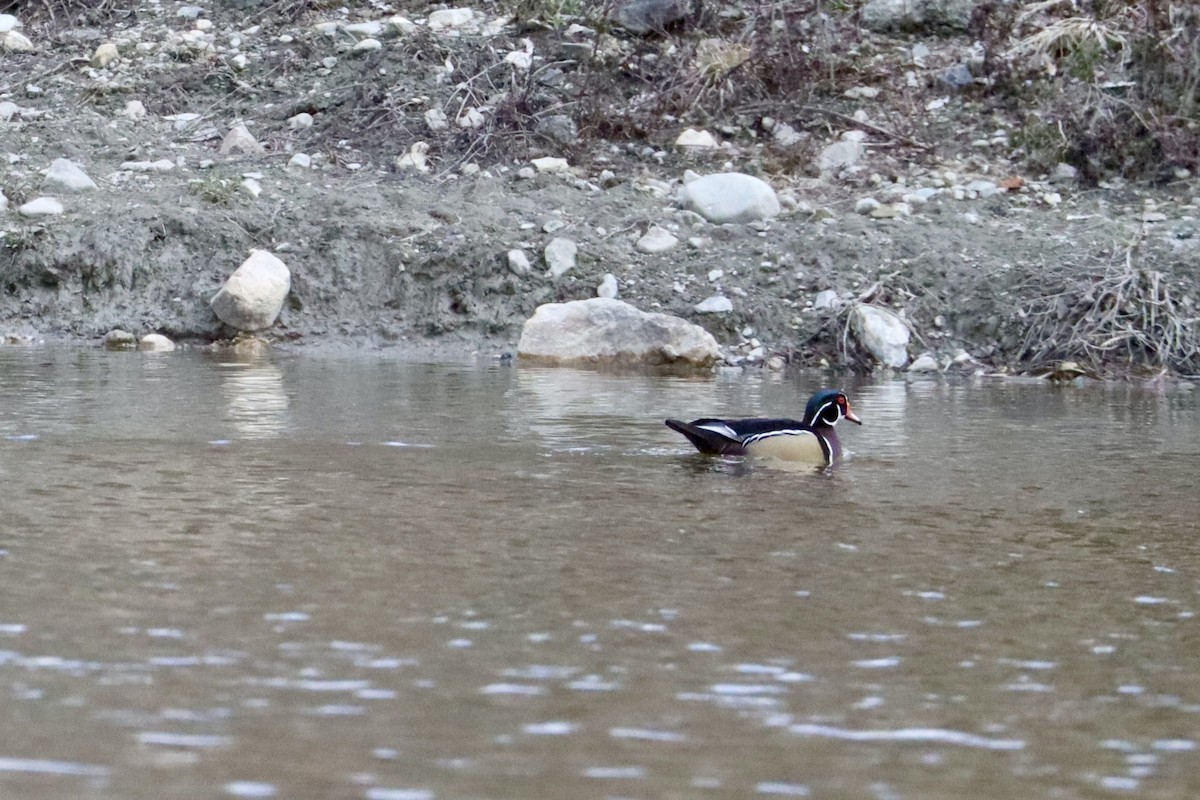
(707, 441)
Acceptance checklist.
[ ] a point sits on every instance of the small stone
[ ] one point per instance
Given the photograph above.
(415, 160)
(866, 205)
(924, 363)
(135, 110)
(730, 197)
(369, 29)
(827, 299)
(527, 173)
(553, 225)
(776, 363)
(240, 140)
(715, 275)
(105, 54)
(518, 263)
(983, 188)
(8, 110)
(155, 343)
(8, 22)
(189, 12)
(717, 304)
(840, 155)
(560, 255)
(300, 121)
(692, 139)
(118, 339)
(41, 207)
(401, 26)
(15, 42)
(162, 165)
(436, 120)
(368, 46)
(549, 164)
(884, 212)
(471, 118)
(67, 174)
(1063, 173)
(558, 127)
(861, 93)
(608, 287)
(656, 240)
(957, 77)
(449, 18)
(882, 333)
(251, 187)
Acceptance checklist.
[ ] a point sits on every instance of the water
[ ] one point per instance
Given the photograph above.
(357, 578)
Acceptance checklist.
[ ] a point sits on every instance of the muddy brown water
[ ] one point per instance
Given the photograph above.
(349, 577)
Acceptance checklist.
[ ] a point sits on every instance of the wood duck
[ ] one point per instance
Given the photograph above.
(812, 440)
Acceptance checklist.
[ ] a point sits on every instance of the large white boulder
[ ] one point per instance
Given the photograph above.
(606, 331)
(882, 333)
(730, 197)
(253, 296)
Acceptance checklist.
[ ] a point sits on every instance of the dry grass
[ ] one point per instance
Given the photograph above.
(1122, 315)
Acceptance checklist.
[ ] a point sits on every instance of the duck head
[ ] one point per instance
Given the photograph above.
(829, 407)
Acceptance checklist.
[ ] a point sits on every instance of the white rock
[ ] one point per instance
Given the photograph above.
(41, 207)
(240, 140)
(8, 22)
(785, 135)
(370, 29)
(924, 363)
(69, 175)
(606, 331)
(436, 120)
(240, 62)
(105, 54)
(398, 26)
(450, 18)
(520, 60)
(882, 333)
(3, 202)
(156, 343)
(368, 46)
(840, 155)
(560, 256)
(717, 304)
(189, 12)
(866, 205)
(656, 240)
(471, 118)
(327, 28)
(983, 188)
(15, 42)
(692, 139)
(826, 299)
(135, 110)
(730, 197)
(1063, 173)
(300, 121)
(162, 165)
(251, 187)
(300, 160)
(8, 110)
(415, 159)
(518, 262)
(253, 296)
(608, 287)
(550, 164)
(715, 275)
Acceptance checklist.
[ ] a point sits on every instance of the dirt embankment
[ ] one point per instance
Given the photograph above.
(993, 264)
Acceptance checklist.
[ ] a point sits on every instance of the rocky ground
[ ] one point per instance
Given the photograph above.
(374, 151)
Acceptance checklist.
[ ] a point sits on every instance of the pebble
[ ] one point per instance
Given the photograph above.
(368, 46)
(840, 155)
(41, 207)
(162, 165)
(251, 187)
(449, 18)
(69, 175)
(983, 188)
(715, 275)
(692, 139)
(518, 262)
(560, 255)
(866, 205)
(656, 240)
(300, 121)
(16, 42)
(8, 22)
(436, 120)
(717, 304)
(240, 140)
(608, 287)
(105, 54)
(118, 339)
(730, 197)
(156, 343)
(827, 298)
(924, 363)
(551, 165)
(370, 29)
(135, 110)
